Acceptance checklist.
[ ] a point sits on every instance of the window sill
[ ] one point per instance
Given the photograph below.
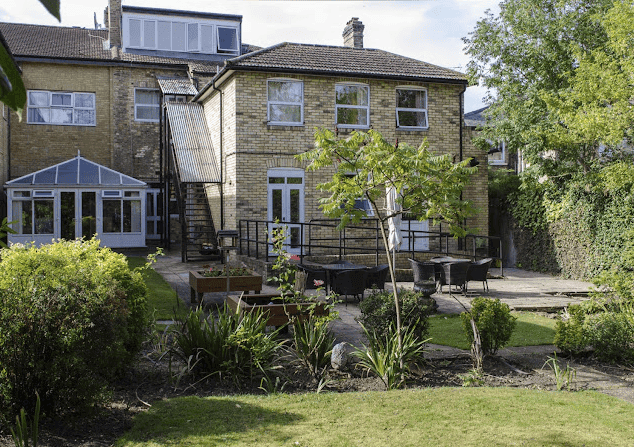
(412, 129)
(272, 126)
(493, 163)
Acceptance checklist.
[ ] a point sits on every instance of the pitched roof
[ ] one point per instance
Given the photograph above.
(475, 118)
(342, 61)
(57, 42)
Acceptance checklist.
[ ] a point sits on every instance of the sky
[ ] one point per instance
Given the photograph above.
(427, 30)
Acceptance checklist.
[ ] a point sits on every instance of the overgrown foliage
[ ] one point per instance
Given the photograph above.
(312, 343)
(493, 320)
(72, 315)
(378, 312)
(230, 347)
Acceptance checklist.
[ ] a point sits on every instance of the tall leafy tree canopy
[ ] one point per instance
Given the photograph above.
(542, 61)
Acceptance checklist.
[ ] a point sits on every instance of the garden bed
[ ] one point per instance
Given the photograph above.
(200, 284)
(279, 313)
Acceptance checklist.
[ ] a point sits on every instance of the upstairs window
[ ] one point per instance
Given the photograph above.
(181, 35)
(497, 153)
(352, 105)
(411, 108)
(147, 105)
(61, 108)
(285, 103)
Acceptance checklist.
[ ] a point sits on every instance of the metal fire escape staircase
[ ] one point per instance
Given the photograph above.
(193, 166)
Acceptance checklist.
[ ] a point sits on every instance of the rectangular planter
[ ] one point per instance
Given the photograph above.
(200, 284)
(278, 313)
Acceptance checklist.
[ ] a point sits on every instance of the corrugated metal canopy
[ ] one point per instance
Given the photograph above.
(177, 86)
(193, 148)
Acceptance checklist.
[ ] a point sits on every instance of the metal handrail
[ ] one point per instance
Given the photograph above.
(480, 246)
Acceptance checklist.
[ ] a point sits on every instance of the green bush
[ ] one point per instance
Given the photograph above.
(611, 334)
(494, 321)
(232, 346)
(71, 316)
(378, 312)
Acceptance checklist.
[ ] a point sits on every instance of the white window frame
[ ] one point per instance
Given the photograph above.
(349, 106)
(33, 196)
(190, 24)
(415, 110)
(270, 103)
(502, 153)
(50, 107)
(367, 207)
(122, 196)
(137, 105)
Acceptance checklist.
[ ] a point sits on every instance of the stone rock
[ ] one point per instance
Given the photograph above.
(339, 357)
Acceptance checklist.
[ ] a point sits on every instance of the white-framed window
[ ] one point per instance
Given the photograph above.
(61, 108)
(147, 105)
(411, 108)
(352, 105)
(121, 214)
(33, 213)
(497, 155)
(182, 35)
(285, 103)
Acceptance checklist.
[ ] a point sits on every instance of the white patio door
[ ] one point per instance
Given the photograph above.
(286, 204)
(78, 214)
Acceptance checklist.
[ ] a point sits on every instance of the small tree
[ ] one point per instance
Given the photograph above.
(366, 165)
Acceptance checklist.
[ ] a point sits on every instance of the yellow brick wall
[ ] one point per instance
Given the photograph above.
(260, 146)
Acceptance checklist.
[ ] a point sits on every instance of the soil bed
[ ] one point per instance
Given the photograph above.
(148, 381)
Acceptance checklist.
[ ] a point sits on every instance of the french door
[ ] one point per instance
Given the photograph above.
(78, 214)
(285, 192)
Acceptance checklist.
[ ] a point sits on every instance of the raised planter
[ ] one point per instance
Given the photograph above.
(279, 314)
(200, 284)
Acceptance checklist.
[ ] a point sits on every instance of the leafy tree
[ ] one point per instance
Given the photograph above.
(526, 56)
(428, 185)
(597, 107)
(12, 91)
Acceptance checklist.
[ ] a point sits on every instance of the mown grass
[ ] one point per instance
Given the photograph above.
(432, 416)
(531, 330)
(163, 301)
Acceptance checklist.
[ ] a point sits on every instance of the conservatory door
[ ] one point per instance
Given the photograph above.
(78, 214)
(286, 205)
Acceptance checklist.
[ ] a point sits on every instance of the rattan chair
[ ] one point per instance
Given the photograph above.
(349, 282)
(377, 276)
(314, 274)
(456, 275)
(478, 271)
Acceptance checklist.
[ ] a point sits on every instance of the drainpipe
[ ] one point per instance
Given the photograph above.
(222, 198)
(461, 99)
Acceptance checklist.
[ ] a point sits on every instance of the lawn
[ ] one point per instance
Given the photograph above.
(530, 330)
(431, 416)
(162, 300)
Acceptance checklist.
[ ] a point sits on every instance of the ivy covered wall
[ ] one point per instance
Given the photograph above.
(575, 225)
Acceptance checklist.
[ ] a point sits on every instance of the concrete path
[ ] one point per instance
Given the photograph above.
(521, 290)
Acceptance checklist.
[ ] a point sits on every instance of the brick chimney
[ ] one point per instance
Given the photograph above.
(353, 33)
(114, 23)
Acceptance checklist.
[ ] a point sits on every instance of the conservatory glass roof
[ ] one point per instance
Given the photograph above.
(77, 172)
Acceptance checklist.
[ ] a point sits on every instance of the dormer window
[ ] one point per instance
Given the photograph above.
(180, 34)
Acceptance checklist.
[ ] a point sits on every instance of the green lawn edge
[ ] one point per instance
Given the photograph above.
(163, 301)
(431, 416)
(531, 330)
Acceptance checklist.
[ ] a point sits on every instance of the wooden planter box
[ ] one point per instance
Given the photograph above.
(278, 313)
(200, 284)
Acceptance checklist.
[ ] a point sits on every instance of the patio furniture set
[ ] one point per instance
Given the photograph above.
(449, 271)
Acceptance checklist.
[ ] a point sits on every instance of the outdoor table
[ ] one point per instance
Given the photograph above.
(338, 267)
(449, 260)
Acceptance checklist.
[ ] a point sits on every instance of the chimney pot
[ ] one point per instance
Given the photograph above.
(353, 33)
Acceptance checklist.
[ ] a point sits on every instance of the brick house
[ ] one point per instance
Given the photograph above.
(98, 93)
(262, 109)
(167, 100)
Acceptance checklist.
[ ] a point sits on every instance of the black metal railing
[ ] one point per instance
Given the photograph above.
(321, 237)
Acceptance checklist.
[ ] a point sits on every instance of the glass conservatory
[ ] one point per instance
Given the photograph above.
(74, 199)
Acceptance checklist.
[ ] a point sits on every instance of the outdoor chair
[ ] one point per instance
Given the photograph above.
(314, 273)
(376, 277)
(478, 271)
(349, 282)
(456, 275)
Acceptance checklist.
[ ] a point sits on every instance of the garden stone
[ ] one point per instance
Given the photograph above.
(339, 357)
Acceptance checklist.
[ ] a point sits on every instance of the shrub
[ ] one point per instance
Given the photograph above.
(231, 346)
(383, 357)
(378, 312)
(312, 343)
(72, 315)
(493, 320)
(570, 336)
(611, 334)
